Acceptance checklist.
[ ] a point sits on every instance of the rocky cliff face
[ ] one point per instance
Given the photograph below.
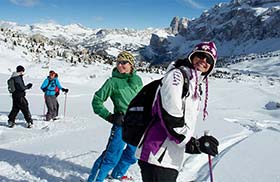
(178, 25)
(240, 20)
(238, 27)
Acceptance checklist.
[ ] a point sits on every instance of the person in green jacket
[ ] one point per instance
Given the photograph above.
(122, 87)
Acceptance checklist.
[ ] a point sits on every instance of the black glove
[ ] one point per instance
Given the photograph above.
(117, 119)
(45, 89)
(205, 144)
(192, 146)
(65, 90)
(208, 145)
(29, 85)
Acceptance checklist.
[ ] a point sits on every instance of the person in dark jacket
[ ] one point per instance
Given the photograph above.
(49, 87)
(19, 101)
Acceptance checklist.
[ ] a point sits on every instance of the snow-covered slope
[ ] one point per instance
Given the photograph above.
(64, 150)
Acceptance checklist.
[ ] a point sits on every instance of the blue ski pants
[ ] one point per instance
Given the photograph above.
(114, 158)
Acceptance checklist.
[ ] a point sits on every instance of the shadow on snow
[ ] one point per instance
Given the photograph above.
(37, 165)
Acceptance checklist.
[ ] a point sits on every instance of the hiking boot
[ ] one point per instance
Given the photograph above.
(29, 125)
(126, 178)
(56, 118)
(11, 124)
(119, 178)
(47, 118)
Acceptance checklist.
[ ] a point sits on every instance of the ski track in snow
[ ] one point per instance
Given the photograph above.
(256, 125)
(198, 164)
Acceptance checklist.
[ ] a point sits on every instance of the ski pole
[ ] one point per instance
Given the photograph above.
(210, 168)
(44, 111)
(65, 105)
(105, 153)
(209, 160)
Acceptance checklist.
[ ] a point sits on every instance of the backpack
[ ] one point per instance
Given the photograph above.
(139, 111)
(11, 85)
(56, 91)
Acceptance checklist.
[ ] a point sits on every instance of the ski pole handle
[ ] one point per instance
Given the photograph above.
(206, 133)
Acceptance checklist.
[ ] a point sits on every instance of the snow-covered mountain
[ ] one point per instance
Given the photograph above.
(70, 33)
(108, 40)
(238, 28)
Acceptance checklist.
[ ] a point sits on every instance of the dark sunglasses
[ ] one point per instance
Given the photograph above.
(122, 62)
(202, 55)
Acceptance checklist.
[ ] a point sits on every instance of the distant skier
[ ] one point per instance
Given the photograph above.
(121, 88)
(50, 87)
(19, 101)
(170, 133)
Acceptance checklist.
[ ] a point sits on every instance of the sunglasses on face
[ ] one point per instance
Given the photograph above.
(202, 55)
(122, 62)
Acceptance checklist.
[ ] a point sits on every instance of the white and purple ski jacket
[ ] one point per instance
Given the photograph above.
(174, 120)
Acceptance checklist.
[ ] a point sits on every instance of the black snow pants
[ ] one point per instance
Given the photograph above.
(20, 104)
(153, 173)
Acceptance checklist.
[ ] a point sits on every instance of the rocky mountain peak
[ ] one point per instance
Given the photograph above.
(253, 2)
(178, 25)
(239, 27)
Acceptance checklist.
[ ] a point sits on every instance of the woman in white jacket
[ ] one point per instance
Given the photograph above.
(174, 116)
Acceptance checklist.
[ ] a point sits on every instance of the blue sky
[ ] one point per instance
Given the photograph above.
(138, 14)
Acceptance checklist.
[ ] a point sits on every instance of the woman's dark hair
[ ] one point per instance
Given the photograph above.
(183, 62)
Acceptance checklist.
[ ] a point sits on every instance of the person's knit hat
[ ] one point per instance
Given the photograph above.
(126, 56)
(20, 68)
(209, 48)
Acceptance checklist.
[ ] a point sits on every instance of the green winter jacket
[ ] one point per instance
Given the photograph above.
(121, 88)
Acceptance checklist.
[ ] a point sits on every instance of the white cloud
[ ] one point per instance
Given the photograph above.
(194, 4)
(27, 3)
